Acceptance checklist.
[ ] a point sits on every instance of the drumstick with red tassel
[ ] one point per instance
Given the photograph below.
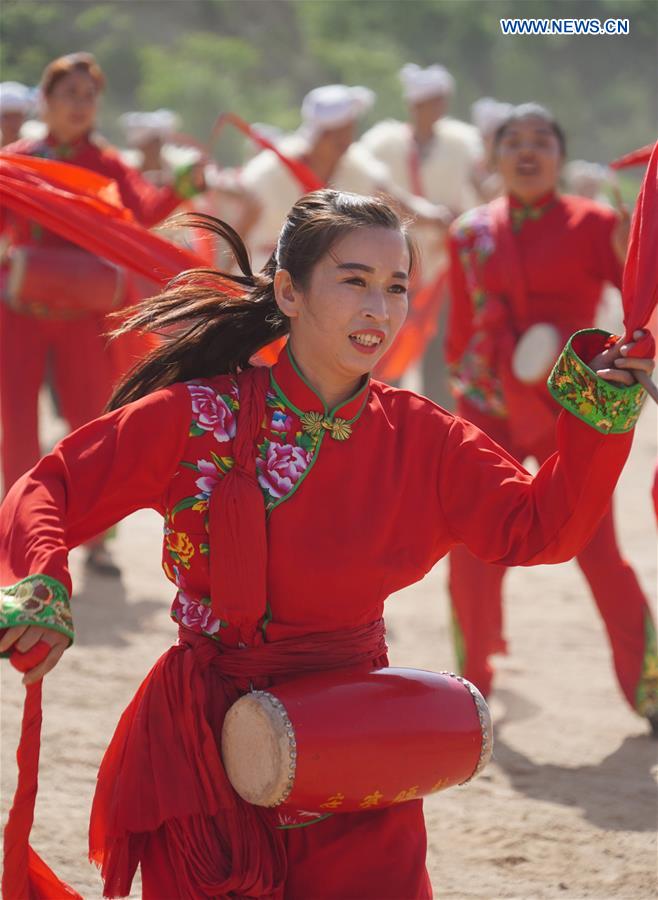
(25, 874)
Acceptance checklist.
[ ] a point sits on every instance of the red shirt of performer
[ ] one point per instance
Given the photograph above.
(55, 295)
(295, 501)
(527, 270)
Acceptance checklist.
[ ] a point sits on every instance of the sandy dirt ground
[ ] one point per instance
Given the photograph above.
(567, 809)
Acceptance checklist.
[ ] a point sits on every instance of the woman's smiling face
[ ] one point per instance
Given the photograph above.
(347, 316)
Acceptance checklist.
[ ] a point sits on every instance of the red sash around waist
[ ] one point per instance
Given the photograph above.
(163, 768)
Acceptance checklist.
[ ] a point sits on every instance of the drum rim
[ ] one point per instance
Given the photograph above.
(486, 725)
(266, 697)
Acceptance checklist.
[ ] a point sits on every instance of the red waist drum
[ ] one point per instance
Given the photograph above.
(61, 281)
(340, 742)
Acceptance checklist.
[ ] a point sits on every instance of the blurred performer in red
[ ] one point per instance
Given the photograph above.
(526, 271)
(55, 295)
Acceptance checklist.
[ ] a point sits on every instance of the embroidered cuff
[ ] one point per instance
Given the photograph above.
(184, 182)
(609, 408)
(37, 600)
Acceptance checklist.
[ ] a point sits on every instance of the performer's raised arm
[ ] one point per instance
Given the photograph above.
(93, 478)
(502, 513)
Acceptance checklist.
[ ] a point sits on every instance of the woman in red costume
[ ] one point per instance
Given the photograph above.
(39, 268)
(295, 500)
(535, 258)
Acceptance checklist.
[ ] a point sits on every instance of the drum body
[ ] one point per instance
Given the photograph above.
(341, 742)
(535, 353)
(61, 281)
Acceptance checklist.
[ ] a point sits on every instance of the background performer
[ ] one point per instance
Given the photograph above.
(535, 257)
(55, 295)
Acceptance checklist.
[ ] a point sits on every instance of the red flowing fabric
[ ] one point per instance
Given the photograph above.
(269, 354)
(636, 158)
(25, 875)
(416, 333)
(238, 559)
(163, 771)
(422, 322)
(84, 207)
(304, 175)
(640, 284)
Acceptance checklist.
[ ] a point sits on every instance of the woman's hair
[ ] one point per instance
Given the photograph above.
(524, 111)
(212, 322)
(64, 65)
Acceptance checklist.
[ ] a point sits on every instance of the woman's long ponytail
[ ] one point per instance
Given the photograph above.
(210, 322)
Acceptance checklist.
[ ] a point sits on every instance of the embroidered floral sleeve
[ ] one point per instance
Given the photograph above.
(37, 600)
(609, 408)
(475, 316)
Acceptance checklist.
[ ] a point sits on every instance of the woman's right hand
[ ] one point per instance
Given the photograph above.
(24, 637)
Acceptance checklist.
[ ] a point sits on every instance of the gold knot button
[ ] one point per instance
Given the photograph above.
(314, 422)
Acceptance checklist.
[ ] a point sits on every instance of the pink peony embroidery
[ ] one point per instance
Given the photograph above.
(194, 614)
(282, 468)
(211, 412)
(210, 478)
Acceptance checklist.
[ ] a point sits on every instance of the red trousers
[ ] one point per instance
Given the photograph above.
(476, 588)
(370, 855)
(82, 376)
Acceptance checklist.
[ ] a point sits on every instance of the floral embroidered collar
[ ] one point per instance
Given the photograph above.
(292, 388)
(56, 150)
(520, 212)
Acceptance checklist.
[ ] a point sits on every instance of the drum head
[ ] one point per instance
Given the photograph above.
(258, 749)
(535, 353)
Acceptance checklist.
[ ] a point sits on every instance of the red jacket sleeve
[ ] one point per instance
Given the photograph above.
(96, 476)
(459, 327)
(148, 203)
(505, 515)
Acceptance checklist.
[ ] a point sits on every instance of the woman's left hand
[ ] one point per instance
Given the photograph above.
(615, 364)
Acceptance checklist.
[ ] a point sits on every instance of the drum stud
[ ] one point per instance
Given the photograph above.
(292, 745)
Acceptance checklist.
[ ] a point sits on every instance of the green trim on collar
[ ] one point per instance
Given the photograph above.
(605, 406)
(302, 377)
(519, 215)
(282, 397)
(37, 600)
(328, 412)
(315, 425)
